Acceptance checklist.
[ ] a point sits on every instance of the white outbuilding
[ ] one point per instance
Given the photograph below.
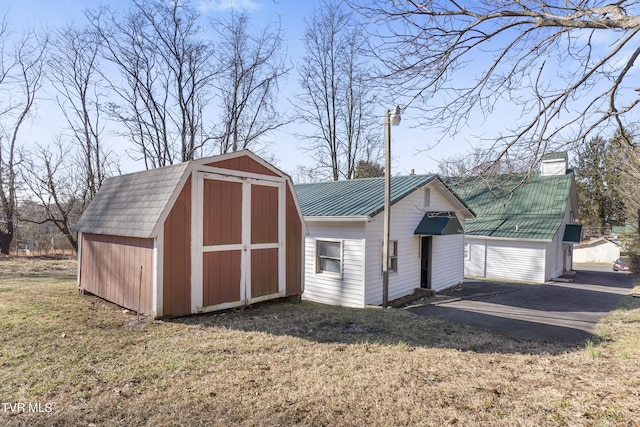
(600, 250)
(526, 227)
(343, 248)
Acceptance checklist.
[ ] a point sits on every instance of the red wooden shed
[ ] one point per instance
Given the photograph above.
(200, 236)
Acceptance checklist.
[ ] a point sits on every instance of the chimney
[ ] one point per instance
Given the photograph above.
(413, 172)
(554, 164)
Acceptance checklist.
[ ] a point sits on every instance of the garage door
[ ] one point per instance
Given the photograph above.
(512, 260)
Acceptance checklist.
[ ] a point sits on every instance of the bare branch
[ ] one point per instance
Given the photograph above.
(21, 77)
(167, 75)
(337, 98)
(549, 61)
(252, 66)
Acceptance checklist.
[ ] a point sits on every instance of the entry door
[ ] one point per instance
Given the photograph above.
(425, 261)
(241, 245)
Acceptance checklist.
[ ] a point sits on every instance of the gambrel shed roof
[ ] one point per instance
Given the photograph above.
(136, 204)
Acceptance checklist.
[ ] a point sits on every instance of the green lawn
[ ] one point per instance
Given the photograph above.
(77, 360)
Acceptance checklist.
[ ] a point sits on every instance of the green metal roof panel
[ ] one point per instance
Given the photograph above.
(515, 228)
(572, 233)
(515, 206)
(355, 197)
(439, 224)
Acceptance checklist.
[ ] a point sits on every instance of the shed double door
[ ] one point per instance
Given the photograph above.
(241, 241)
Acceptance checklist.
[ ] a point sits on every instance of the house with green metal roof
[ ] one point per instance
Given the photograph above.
(343, 247)
(525, 226)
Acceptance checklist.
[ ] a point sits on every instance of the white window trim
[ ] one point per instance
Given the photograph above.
(317, 256)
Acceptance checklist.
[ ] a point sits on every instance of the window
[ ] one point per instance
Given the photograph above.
(393, 257)
(328, 256)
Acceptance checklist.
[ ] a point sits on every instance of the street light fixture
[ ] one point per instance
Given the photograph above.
(392, 118)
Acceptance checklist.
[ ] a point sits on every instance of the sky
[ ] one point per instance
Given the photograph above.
(413, 148)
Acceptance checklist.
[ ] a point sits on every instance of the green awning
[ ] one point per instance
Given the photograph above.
(572, 233)
(439, 224)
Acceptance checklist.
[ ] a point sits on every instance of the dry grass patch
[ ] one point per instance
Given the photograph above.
(293, 364)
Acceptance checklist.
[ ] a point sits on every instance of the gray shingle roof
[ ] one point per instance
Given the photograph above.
(356, 197)
(131, 205)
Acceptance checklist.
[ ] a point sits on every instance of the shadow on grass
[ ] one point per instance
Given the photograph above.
(350, 326)
(528, 319)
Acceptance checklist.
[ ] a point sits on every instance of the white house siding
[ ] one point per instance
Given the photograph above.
(405, 217)
(515, 260)
(447, 260)
(554, 264)
(474, 263)
(327, 288)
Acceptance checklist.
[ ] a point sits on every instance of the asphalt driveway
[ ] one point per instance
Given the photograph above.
(554, 312)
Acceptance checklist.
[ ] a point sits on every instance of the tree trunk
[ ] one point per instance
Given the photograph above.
(6, 238)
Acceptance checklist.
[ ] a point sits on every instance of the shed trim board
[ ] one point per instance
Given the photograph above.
(158, 255)
(260, 254)
(227, 173)
(172, 200)
(79, 270)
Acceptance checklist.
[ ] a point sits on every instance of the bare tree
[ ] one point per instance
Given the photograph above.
(21, 77)
(567, 68)
(481, 162)
(52, 178)
(166, 70)
(63, 180)
(624, 173)
(366, 169)
(307, 175)
(251, 67)
(337, 96)
(73, 70)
